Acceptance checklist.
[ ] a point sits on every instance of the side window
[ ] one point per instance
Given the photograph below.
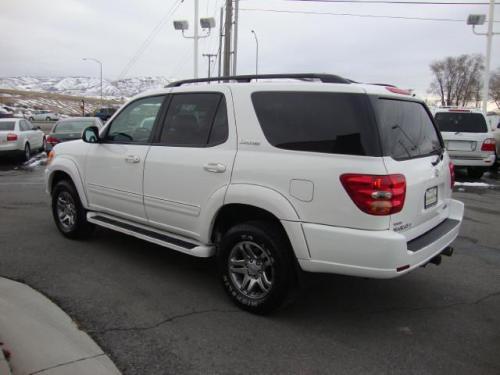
(195, 120)
(135, 122)
(27, 125)
(22, 125)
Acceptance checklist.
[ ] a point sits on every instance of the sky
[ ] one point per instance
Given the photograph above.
(50, 38)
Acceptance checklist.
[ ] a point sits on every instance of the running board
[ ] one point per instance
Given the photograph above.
(171, 241)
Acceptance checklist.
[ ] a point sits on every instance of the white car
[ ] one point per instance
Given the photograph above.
(44, 115)
(19, 136)
(468, 139)
(494, 122)
(272, 177)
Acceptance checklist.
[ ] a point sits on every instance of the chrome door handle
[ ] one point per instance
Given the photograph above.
(215, 167)
(132, 159)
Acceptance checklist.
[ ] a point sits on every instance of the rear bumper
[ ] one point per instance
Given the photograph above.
(376, 254)
(473, 161)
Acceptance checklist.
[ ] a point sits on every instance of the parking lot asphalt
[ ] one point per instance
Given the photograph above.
(155, 311)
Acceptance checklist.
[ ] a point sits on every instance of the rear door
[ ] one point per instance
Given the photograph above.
(115, 166)
(412, 147)
(189, 166)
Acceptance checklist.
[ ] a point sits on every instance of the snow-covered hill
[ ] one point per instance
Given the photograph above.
(84, 86)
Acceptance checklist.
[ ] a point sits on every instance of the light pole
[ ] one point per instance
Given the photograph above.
(256, 52)
(100, 66)
(206, 23)
(479, 19)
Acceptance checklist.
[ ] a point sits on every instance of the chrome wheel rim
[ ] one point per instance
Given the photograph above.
(66, 210)
(251, 269)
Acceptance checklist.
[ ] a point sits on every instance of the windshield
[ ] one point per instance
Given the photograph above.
(461, 122)
(7, 125)
(406, 129)
(72, 126)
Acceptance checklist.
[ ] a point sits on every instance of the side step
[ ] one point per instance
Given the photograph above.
(171, 241)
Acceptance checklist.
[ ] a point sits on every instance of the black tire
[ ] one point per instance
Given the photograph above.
(47, 118)
(31, 119)
(44, 145)
(27, 152)
(77, 227)
(276, 266)
(475, 172)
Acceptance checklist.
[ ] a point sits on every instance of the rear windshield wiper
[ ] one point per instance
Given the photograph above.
(439, 152)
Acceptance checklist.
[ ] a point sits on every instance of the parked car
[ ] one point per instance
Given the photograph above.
(5, 114)
(272, 178)
(468, 139)
(494, 122)
(69, 129)
(105, 113)
(44, 115)
(20, 137)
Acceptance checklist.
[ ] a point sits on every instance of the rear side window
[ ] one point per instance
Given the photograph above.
(7, 125)
(195, 120)
(335, 123)
(406, 129)
(461, 122)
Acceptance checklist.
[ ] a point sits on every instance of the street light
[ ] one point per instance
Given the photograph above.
(100, 65)
(205, 23)
(477, 20)
(256, 52)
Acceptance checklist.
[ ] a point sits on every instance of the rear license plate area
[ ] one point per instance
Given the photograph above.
(431, 197)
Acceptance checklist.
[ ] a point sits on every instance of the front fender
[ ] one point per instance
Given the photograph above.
(68, 166)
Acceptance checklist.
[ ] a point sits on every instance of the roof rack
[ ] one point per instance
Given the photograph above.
(325, 78)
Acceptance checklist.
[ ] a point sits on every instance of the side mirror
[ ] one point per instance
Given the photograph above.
(37, 128)
(91, 134)
(498, 126)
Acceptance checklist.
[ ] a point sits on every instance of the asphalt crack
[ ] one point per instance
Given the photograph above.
(164, 321)
(66, 363)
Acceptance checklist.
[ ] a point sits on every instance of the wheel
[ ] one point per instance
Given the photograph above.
(31, 119)
(475, 172)
(255, 265)
(68, 212)
(47, 118)
(44, 145)
(27, 152)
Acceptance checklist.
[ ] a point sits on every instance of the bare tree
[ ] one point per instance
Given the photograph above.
(457, 80)
(495, 87)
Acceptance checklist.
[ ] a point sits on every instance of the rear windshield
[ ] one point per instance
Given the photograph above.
(406, 129)
(335, 123)
(461, 122)
(7, 125)
(72, 126)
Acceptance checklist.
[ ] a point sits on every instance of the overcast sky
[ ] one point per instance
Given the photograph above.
(51, 37)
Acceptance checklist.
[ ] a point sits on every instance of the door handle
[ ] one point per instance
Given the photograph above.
(215, 167)
(132, 159)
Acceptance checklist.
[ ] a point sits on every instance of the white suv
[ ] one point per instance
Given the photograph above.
(467, 138)
(270, 177)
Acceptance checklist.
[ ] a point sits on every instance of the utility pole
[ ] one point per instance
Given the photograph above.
(227, 38)
(209, 57)
(256, 52)
(221, 34)
(235, 37)
(196, 38)
(489, 37)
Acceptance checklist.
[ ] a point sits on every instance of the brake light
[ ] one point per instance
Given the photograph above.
(452, 174)
(11, 137)
(397, 90)
(489, 144)
(376, 194)
(52, 140)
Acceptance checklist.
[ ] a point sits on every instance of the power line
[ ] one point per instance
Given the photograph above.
(393, 2)
(353, 15)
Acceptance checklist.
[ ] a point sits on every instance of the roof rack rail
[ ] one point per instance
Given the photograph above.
(325, 78)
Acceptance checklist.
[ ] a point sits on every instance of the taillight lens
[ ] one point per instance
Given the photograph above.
(376, 194)
(11, 137)
(452, 174)
(489, 144)
(52, 140)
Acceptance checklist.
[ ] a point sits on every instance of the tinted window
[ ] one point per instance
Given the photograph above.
(194, 120)
(7, 125)
(132, 124)
(405, 128)
(72, 126)
(461, 122)
(334, 123)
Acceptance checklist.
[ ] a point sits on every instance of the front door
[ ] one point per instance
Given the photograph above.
(115, 166)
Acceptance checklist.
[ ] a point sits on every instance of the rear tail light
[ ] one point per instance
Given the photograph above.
(489, 144)
(52, 140)
(397, 90)
(11, 137)
(376, 194)
(452, 174)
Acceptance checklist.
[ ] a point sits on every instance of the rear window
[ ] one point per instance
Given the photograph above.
(335, 123)
(7, 125)
(461, 122)
(406, 128)
(72, 126)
